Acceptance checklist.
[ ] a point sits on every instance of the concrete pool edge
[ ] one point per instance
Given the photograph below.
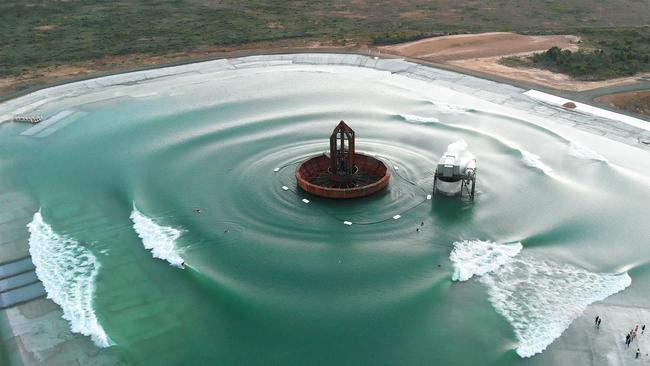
(499, 92)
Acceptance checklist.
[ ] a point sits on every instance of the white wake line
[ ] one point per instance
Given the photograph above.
(589, 109)
(528, 158)
(573, 147)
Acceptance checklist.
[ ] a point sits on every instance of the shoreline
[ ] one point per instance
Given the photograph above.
(25, 333)
(603, 126)
(586, 96)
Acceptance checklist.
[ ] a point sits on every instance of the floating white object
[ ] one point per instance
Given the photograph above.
(396, 217)
(276, 169)
(428, 196)
(305, 200)
(285, 188)
(347, 223)
(396, 167)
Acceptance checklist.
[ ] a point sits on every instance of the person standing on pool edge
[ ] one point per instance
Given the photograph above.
(596, 321)
(638, 351)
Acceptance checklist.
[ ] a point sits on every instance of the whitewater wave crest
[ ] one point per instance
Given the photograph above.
(539, 298)
(478, 257)
(68, 271)
(582, 152)
(417, 119)
(534, 161)
(449, 108)
(160, 240)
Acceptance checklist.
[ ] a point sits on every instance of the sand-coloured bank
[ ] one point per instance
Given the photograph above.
(482, 53)
(466, 46)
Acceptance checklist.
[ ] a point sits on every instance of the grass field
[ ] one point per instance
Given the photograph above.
(36, 34)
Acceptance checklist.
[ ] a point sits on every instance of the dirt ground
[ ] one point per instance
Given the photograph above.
(638, 102)
(466, 46)
(482, 52)
(491, 65)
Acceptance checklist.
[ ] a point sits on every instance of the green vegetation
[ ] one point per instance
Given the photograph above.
(40, 33)
(610, 54)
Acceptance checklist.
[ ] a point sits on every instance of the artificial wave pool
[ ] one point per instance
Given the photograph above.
(170, 226)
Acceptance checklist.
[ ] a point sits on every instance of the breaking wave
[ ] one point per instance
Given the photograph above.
(527, 157)
(534, 161)
(418, 119)
(540, 299)
(449, 108)
(478, 257)
(582, 152)
(68, 271)
(160, 240)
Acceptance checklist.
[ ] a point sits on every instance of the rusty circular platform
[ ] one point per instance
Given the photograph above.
(314, 176)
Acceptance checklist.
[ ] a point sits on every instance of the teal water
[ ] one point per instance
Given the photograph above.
(272, 280)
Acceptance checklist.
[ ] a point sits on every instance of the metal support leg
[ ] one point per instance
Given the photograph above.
(473, 188)
(435, 180)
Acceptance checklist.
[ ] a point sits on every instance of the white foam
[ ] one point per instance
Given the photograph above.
(68, 271)
(449, 108)
(459, 146)
(534, 161)
(583, 152)
(160, 240)
(418, 119)
(460, 149)
(540, 299)
(477, 257)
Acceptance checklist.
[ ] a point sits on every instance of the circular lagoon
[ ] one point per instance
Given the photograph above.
(167, 224)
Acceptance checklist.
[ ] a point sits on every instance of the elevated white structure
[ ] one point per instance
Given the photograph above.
(455, 174)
